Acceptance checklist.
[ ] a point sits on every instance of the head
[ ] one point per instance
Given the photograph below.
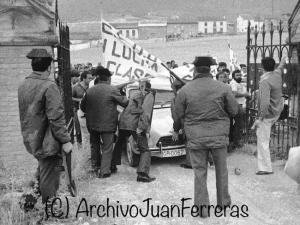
(243, 68)
(40, 60)
(89, 65)
(221, 66)
(172, 63)
(237, 76)
(268, 64)
(103, 74)
(145, 86)
(86, 77)
(202, 64)
(169, 64)
(221, 76)
(226, 71)
(41, 64)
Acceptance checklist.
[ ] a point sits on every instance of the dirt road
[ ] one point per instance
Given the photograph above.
(269, 199)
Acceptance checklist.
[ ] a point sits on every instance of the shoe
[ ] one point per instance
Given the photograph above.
(145, 178)
(185, 166)
(263, 173)
(113, 169)
(106, 175)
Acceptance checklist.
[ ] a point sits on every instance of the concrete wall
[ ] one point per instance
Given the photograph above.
(185, 29)
(147, 32)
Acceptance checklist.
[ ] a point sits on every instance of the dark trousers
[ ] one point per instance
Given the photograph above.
(237, 127)
(120, 145)
(199, 160)
(142, 145)
(48, 174)
(77, 126)
(101, 159)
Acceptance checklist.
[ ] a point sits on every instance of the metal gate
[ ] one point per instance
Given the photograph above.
(64, 75)
(274, 41)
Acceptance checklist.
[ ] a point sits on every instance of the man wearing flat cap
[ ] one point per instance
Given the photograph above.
(43, 122)
(205, 105)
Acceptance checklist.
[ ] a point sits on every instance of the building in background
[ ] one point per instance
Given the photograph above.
(243, 20)
(152, 30)
(128, 29)
(182, 28)
(24, 24)
(212, 25)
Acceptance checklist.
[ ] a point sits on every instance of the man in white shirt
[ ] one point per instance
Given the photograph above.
(237, 124)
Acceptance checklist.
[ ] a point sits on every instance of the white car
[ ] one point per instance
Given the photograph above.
(160, 141)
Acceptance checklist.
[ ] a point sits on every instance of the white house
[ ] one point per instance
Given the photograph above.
(212, 25)
(243, 20)
(128, 29)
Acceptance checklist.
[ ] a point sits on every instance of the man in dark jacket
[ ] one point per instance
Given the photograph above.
(43, 122)
(135, 120)
(100, 105)
(206, 105)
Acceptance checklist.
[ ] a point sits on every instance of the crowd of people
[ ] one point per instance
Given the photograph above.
(209, 113)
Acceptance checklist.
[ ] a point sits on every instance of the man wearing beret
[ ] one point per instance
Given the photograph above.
(100, 105)
(43, 122)
(205, 105)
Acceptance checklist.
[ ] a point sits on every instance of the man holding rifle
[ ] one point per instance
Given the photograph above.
(43, 122)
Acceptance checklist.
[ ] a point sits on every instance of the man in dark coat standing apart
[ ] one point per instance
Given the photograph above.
(43, 122)
(100, 105)
(205, 105)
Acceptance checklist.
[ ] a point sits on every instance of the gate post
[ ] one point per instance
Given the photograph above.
(298, 99)
(248, 80)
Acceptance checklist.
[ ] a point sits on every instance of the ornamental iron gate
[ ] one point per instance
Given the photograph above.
(64, 75)
(274, 42)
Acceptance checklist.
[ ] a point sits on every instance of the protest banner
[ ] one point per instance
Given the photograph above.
(127, 60)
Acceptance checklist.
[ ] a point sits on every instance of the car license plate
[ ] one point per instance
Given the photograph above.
(173, 152)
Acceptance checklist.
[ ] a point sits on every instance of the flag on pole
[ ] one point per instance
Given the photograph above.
(127, 60)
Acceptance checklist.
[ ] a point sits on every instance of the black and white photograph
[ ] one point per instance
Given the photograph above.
(149, 112)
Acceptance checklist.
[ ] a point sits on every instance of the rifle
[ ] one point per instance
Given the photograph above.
(67, 162)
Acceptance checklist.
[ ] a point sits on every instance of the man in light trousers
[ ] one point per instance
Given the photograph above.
(270, 105)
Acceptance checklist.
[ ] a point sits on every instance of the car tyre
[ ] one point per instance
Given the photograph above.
(132, 157)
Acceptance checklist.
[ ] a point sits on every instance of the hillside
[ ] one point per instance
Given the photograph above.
(88, 10)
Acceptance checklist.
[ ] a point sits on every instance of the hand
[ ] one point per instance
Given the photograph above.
(147, 135)
(283, 60)
(175, 136)
(67, 147)
(247, 95)
(139, 131)
(256, 124)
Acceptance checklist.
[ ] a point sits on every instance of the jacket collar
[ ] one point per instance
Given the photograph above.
(202, 75)
(39, 75)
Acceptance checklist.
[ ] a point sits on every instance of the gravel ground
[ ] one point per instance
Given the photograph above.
(269, 199)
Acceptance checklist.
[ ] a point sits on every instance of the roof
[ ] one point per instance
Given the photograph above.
(172, 21)
(211, 18)
(125, 25)
(246, 16)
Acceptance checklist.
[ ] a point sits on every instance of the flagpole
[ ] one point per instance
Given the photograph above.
(173, 74)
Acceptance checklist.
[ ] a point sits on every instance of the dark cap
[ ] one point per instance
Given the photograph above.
(204, 61)
(38, 53)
